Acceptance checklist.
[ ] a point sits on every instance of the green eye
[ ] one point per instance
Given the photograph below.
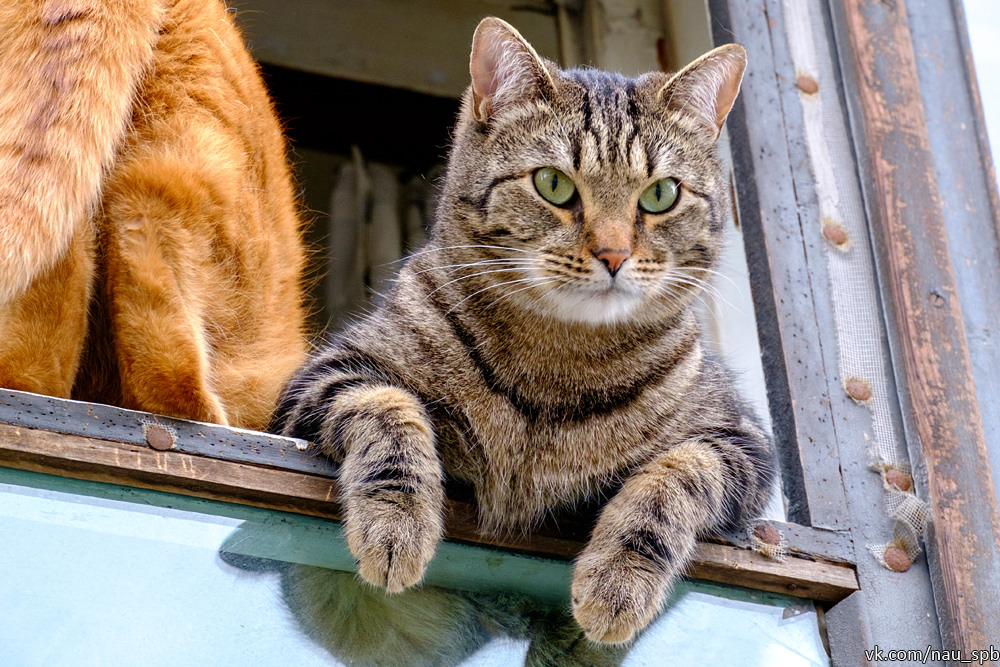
(659, 196)
(554, 186)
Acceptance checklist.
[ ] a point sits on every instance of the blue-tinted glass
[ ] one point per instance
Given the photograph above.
(96, 574)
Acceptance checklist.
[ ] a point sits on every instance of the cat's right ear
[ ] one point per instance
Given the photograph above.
(504, 68)
(707, 88)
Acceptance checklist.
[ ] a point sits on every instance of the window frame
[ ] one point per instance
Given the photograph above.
(896, 81)
(108, 444)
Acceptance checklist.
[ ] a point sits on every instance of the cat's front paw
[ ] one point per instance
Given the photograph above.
(393, 539)
(616, 593)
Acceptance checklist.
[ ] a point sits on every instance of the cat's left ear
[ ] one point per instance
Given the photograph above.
(505, 69)
(707, 88)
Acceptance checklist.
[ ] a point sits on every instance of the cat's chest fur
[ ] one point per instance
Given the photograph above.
(535, 414)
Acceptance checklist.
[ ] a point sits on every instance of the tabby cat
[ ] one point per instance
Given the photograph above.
(149, 239)
(542, 348)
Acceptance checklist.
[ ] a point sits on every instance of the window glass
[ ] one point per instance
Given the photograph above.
(96, 574)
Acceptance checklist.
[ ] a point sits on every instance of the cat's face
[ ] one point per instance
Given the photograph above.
(592, 197)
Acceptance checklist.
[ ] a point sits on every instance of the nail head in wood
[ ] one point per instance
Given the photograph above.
(898, 479)
(767, 534)
(835, 233)
(896, 559)
(858, 389)
(159, 437)
(807, 84)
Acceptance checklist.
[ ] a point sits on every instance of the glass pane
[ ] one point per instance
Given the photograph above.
(95, 574)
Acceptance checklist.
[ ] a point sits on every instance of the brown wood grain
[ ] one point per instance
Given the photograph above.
(793, 576)
(933, 346)
(81, 457)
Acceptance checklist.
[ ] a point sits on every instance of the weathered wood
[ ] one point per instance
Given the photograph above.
(107, 422)
(793, 576)
(805, 542)
(933, 347)
(984, 159)
(316, 495)
(789, 285)
(174, 472)
(822, 431)
(968, 189)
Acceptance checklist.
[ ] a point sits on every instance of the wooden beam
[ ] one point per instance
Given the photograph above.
(424, 46)
(785, 257)
(794, 576)
(81, 457)
(174, 472)
(984, 161)
(107, 422)
(911, 228)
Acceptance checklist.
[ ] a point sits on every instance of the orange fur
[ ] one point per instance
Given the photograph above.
(147, 201)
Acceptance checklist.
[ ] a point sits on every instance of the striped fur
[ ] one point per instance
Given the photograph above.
(509, 358)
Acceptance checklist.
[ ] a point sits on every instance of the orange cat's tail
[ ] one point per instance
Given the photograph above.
(69, 74)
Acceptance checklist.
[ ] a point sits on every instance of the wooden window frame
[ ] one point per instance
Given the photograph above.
(905, 80)
(108, 444)
(103, 443)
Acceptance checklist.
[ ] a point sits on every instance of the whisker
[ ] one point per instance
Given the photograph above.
(534, 280)
(461, 247)
(693, 283)
(707, 285)
(680, 277)
(711, 272)
(471, 275)
(511, 261)
(546, 281)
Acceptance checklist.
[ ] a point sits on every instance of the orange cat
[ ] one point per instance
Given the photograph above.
(150, 251)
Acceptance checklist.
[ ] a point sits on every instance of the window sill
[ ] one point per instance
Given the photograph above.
(107, 444)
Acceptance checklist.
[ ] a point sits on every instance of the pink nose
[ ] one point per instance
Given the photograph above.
(612, 259)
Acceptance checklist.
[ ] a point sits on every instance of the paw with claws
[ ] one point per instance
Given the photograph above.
(616, 593)
(393, 538)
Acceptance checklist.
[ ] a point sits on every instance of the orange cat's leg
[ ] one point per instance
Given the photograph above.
(68, 76)
(42, 330)
(252, 380)
(154, 267)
